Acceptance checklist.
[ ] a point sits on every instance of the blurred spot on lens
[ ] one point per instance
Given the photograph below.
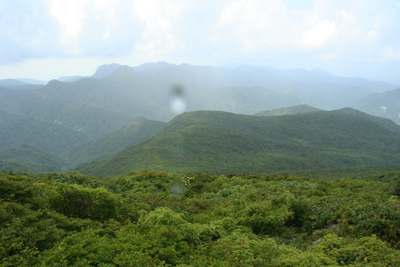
(177, 99)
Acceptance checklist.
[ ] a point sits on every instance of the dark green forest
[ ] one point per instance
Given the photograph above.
(152, 218)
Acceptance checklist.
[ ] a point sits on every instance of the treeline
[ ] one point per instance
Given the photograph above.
(158, 219)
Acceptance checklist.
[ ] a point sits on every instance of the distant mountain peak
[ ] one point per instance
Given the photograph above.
(153, 65)
(11, 82)
(121, 71)
(104, 70)
(54, 81)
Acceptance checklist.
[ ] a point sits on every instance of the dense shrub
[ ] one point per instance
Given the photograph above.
(86, 203)
(249, 220)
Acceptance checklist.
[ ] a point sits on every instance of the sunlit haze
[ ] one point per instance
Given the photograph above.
(46, 39)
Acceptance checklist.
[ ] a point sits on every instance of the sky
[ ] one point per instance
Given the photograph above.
(46, 39)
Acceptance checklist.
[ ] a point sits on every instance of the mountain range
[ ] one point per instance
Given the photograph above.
(121, 119)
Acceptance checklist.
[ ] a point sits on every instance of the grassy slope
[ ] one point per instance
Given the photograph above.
(221, 142)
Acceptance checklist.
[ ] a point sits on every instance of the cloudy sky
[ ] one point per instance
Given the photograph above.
(45, 39)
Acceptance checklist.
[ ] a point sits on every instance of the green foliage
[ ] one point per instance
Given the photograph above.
(366, 251)
(85, 203)
(228, 220)
(381, 219)
(21, 189)
(76, 178)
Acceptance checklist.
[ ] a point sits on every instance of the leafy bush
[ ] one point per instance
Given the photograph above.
(85, 203)
(249, 220)
(381, 219)
(361, 252)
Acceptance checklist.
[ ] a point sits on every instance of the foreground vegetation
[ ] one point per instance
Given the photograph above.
(159, 219)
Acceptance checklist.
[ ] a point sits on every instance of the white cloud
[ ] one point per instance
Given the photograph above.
(319, 34)
(204, 32)
(389, 55)
(69, 14)
(159, 20)
(255, 25)
(330, 56)
(371, 35)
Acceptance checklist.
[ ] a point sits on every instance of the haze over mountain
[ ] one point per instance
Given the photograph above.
(20, 84)
(36, 104)
(224, 89)
(386, 104)
(49, 137)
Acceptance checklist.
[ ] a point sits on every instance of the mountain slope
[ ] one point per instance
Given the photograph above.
(221, 142)
(107, 145)
(29, 159)
(386, 105)
(123, 93)
(93, 121)
(49, 137)
(105, 70)
(387, 123)
(11, 82)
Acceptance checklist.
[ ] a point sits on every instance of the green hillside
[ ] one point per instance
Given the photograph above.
(93, 121)
(29, 159)
(387, 123)
(107, 145)
(288, 110)
(49, 137)
(220, 142)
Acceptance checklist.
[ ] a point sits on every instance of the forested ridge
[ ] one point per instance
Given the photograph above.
(220, 142)
(200, 219)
